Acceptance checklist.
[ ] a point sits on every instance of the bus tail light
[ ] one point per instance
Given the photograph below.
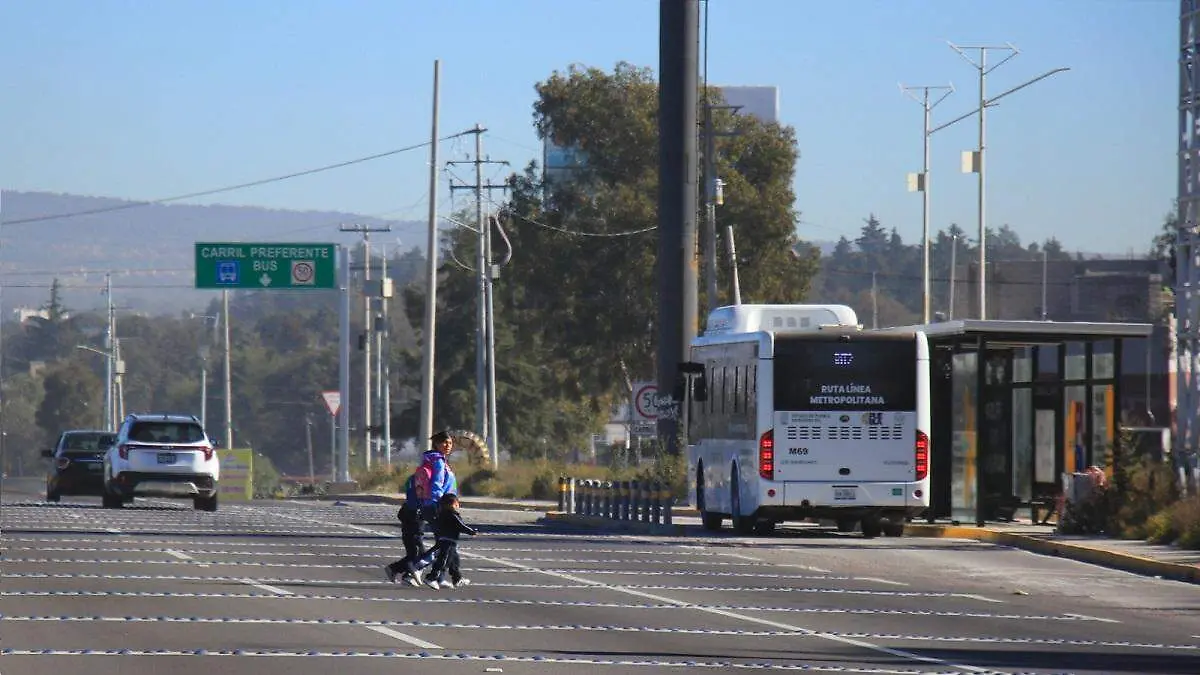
(766, 455)
(921, 455)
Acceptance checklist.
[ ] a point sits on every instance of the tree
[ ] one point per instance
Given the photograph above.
(72, 399)
(593, 236)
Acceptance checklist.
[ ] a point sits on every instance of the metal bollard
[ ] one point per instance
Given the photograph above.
(645, 501)
(585, 498)
(571, 495)
(626, 500)
(635, 501)
(656, 504)
(607, 500)
(668, 505)
(562, 494)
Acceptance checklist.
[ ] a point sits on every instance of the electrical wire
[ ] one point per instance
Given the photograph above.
(228, 188)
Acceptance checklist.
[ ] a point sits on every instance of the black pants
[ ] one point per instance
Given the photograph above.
(447, 560)
(411, 537)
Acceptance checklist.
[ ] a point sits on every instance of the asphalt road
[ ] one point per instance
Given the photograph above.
(274, 588)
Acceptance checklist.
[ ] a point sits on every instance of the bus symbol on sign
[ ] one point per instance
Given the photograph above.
(227, 272)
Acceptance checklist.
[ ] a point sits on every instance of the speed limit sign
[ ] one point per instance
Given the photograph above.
(644, 394)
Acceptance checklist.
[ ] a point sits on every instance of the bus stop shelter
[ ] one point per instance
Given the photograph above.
(1014, 405)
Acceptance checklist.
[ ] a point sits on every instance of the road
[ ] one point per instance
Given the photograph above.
(158, 587)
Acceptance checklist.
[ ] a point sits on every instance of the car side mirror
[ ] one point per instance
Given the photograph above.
(47, 453)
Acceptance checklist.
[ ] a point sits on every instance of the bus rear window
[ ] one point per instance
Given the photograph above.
(859, 375)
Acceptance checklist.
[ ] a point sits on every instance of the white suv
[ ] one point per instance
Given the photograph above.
(161, 455)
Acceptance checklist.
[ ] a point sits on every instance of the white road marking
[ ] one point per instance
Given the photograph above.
(1085, 617)
(882, 581)
(416, 642)
(266, 587)
(183, 556)
(743, 617)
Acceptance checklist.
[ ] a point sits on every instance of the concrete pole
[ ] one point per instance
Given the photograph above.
(431, 265)
(228, 371)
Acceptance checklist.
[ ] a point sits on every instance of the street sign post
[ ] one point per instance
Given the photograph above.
(644, 412)
(266, 266)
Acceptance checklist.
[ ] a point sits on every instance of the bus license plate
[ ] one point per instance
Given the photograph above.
(166, 458)
(846, 494)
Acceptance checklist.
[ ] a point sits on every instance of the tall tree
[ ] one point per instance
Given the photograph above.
(72, 399)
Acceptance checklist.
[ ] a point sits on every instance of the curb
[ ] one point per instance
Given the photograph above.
(1121, 561)
(609, 524)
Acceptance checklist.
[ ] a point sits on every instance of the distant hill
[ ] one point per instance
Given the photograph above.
(149, 248)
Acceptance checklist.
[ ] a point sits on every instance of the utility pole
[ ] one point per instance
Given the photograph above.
(482, 263)
(1044, 312)
(920, 182)
(431, 266)
(676, 268)
(713, 196)
(312, 474)
(953, 267)
(874, 303)
(383, 362)
(109, 332)
(365, 231)
(228, 371)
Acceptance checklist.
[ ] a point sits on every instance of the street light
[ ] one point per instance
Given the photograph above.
(116, 368)
(973, 160)
(202, 352)
(920, 182)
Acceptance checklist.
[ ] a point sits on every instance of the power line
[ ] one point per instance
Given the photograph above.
(228, 188)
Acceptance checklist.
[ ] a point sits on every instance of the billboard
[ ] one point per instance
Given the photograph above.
(237, 475)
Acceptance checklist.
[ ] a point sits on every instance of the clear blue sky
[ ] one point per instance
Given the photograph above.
(146, 99)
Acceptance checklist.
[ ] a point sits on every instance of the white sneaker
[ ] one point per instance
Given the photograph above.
(462, 582)
(412, 580)
(447, 584)
(433, 583)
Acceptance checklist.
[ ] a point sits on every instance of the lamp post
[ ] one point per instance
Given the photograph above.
(973, 160)
(114, 365)
(203, 352)
(920, 183)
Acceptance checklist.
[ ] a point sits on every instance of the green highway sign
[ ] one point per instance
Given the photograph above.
(266, 266)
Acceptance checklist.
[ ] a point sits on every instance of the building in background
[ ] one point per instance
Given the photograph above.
(761, 101)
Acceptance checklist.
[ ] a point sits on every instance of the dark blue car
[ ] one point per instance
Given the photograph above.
(78, 463)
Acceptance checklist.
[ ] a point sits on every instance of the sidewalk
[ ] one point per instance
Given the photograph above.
(1139, 557)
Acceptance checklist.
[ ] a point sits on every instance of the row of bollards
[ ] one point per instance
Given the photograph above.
(627, 500)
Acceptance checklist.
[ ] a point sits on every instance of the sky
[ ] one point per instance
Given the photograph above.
(139, 99)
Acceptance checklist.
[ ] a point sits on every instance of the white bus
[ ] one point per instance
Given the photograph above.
(795, 412)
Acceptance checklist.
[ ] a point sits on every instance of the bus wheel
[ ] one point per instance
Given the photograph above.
(741, 524)
(846, 524)
(710, 521)
(894, 526)
(764, 527)
(872, 526)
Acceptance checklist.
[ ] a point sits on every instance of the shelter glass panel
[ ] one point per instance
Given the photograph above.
(1075, 367)
(964, 444)
(1022, 443)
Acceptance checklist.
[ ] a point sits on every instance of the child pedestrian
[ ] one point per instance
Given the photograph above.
(410, 535)
(449, 526)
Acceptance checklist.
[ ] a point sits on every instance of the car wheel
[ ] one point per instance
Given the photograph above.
(111, 501)
(52, 496)
(710, 521)
(741, 524)
(872, 526)
(205, 503)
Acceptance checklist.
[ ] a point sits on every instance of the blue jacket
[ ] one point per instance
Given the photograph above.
(444, 480)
